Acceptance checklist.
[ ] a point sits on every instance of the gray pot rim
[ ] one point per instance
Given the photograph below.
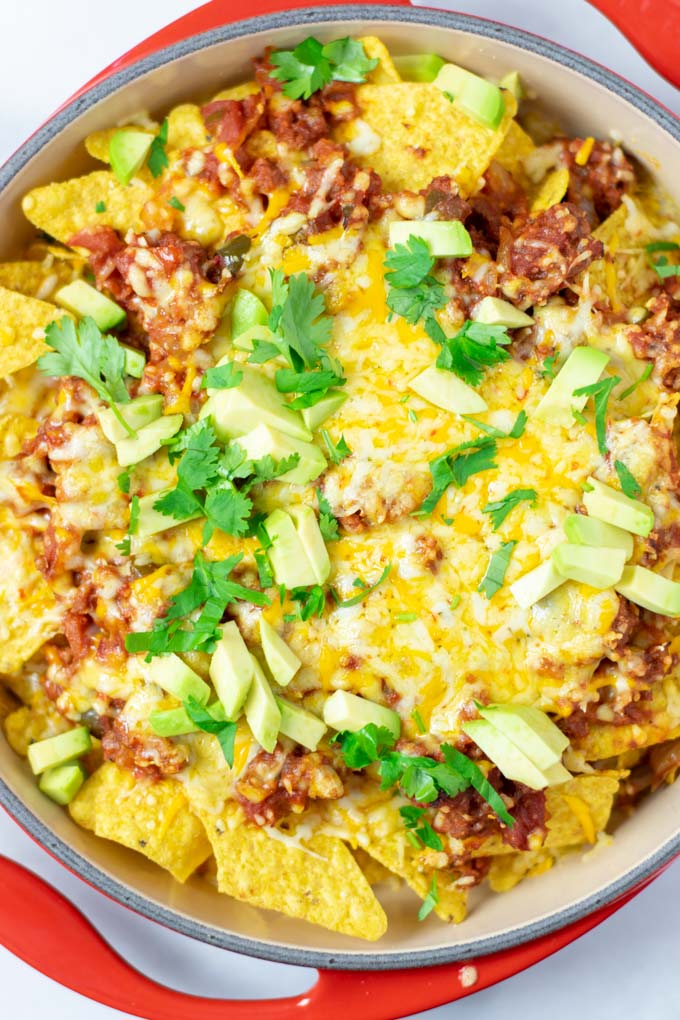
(15, 807)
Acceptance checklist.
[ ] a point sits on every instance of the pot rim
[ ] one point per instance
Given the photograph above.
(31, 823)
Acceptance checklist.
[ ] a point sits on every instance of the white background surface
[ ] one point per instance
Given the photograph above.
(627, 967)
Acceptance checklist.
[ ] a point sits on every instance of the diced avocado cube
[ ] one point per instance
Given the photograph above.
(557, 774)
(282, 661)
(176, 678)
(346, 711)
(139, 413)
(496, 312)
(300, 725)
(580, 563)
(651, 591)
(261, 710)
(247, 311)
(150, 521)
(62, 782)
(419, 66)
(479, 98)
(444, 238)
(529, 729)
(231, 669)
(287, 554)
(446, 390)
(135, 361)
(513, 83)
(53, 751)
(583, 530)
(536, 585)
(82, 299)
(148, 439)
(511, 761)
(175, 722)
(255, 401)
(616, 508)
(310, 535)
(266, 441)
(583, 367)
(315, 416)
(128, 150)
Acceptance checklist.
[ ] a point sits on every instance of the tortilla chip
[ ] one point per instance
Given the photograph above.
(186, 130)
(22, 329)
(624, 274)
(152, 818)
(421, 135)
(34, 279)
(240, 91)
(507, 870)
(29, 613)
(374, 872)
(551, 191)
(325, 886)
(606, 741)
(517, 145)
(375, 49)
(30, 723)
(64, 208)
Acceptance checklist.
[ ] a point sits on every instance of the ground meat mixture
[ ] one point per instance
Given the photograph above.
(598, 186)
(143, 754)
(658, 339)
(468, 817)
(275, 785)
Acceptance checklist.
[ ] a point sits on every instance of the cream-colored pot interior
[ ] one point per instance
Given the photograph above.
(576, 886)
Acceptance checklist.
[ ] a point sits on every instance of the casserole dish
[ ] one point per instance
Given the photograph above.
(570, 892)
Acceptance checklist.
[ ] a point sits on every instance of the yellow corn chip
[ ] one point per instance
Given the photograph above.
(624, 274)
(64, 208)
(29, 614)
(420, 134)
(325, 886)
(33, 722)
(22, 329)
(552, 190)
(186, 130)
(97, 143)
(375, 49)
(152, 818)
(515, 148)
(240, 91)
(15, 429)
(507, 870)
(34, 279)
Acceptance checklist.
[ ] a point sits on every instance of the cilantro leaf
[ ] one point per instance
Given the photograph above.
(516, 432)
(125, 545)
(303, 325)
(225, 732)
(176, 204)
(310, 66)
(336, 451)
(478, 781)
(288, 381)
(348, 60)
(661, 266)
(416, 303)
(227, 509)
(123, 481)
(600, 392)
(500, 509)
(474, 348)
(648, 369)
(83, 351)
(495, 572)
(548, 371)
(178, 504)
(414, 821)
(365, 590)
(222, 377)
(430, 901)
(408, 264)
(100, 207)
(157, 159)
(328, 524)
(264, 570)
(365, 746)
(311, 602)
(456, 466)
(629, 485)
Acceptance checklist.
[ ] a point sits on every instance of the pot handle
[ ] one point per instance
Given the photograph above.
(46, 931)
(653, 28)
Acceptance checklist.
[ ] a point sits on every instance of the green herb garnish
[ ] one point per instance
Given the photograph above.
(600, 392)
(336, 451)
(157, 159)
(430, 901)
(100, 207)
(225, 732)
(629, 485)
(311, 65)
(661, 266)
(176, 204)
(648, 369)
(328, 524)
(223, 377)
(366, 590)
(473, 349)
(456, 466)
(495, 572)
(500, 509)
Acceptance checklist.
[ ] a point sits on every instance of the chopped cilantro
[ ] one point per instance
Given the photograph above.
(495, 571)
(336, 451)
(548, 371)
(157, 159)
(578, 416)
(311, 65)
(264, 570)
(366, 590)
(413, 819)
(126, 543)
(500, 509)
(455, 602)
(312, 386)
(456, 466)
(328, 524)
(222, 377)
(83, 351)
(405, 617)
(418, 720)
(413, 293)
(176, 204)
(600, 392)
(311, 602)
(430, 901)
(648, 369)
(517, 430)
(225, 732)
(297, 315)
(408, 264)
(100, 207)
(123, 481)
(473, 349)
(629, 485)
(661, 266)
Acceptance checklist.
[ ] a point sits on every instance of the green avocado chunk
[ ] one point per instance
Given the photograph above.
(175, 722)
(529, 729)
(231, 669)
(300, 725)
(510, 759)
(135, 361)
(128, 150)
(649, 590)
(513, 83)
(310, 535)
(583, 367)
(255, 401)
(614, 507)
(62, 782)
(82, 299)
(345, 711)
(287, 554)
(537, 584)
(53, 751)
(316, 415)
(583, 530)
(138, 413)
(282, 661)
(444, 238)
(178, 679)
(446, 390)
(580, 563)
(266, 441)
(494, 311)
(150, 521)
(261, 710)
(419, 66)
(481, 99)
(148, 439)
(247, 311)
